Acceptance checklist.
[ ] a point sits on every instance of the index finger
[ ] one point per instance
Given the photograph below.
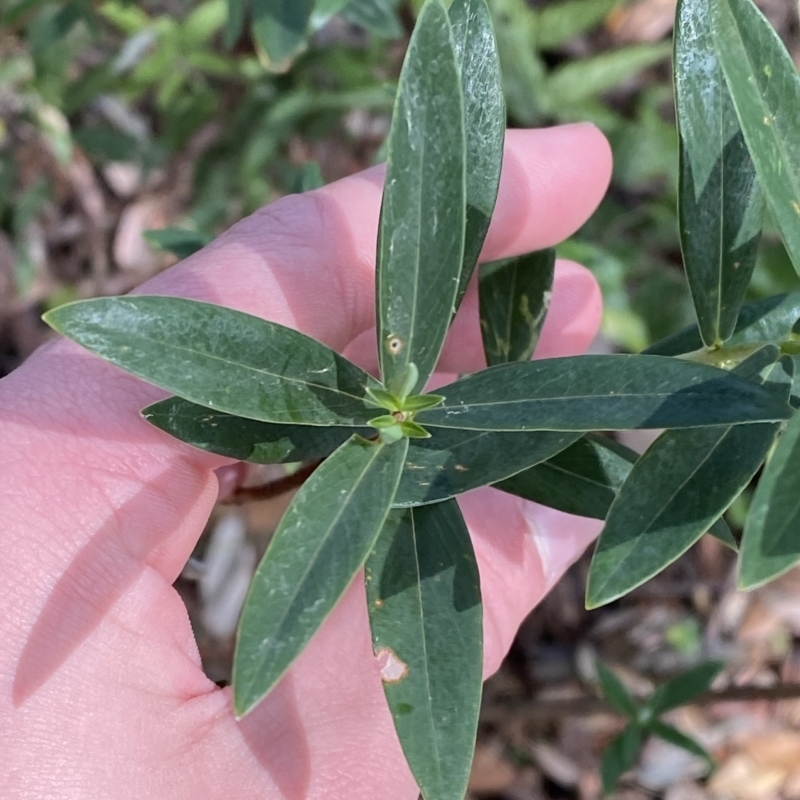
(308, 261)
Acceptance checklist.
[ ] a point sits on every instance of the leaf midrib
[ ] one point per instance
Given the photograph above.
(424, 642)
(645, 529)
(311, 561)
(765, 107)
(240, 365)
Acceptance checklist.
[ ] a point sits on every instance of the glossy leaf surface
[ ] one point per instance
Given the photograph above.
(759, 323)
(220, 358)
(246, 439)
(771, 541)
(421, 231)
(514, 298)
(678, 488)
(425, 611)
(584, 79)
(485, 118)
(601, 393)
(763, 81)
(583, 479)
(322, 541)
(454, 461)
(720, 204)
(280, 28)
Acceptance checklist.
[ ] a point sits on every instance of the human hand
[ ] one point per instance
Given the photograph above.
(102, 692)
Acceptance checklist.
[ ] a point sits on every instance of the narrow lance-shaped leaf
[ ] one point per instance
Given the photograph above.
(485, 117)
(421, 230)
(684, 688)
(584, 479)
(178, 241)
(771, 540)
(765, 321)
(280, 30)
(764, 85)
(234, 24)
(720, 204)
(615, 692)
(676, 490)
(601, 393)
(423, 591)
(454, 461)
(514, 298)
(246, 439)
(220, 358)
(322, 541)
(620, 755)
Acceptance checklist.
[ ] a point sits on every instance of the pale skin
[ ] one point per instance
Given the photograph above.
(101, 689)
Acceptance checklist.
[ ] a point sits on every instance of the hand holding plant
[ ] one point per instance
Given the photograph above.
(104, 691)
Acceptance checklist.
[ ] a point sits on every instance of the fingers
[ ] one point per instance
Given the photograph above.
(522, 550)
(308, 260)
(571, 324)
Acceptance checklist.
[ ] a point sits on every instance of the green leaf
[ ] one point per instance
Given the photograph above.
(615, 692)
(322, 541)
(764, 85)
(761, 322)
(223, 359)
(234, 24)
(770, 544)
(246, 439)
(485, 117)
(675, 492)
(324, 9)
(382, 399)
(721, 531)
(419, 402)
(601, 393)
(423, 591)
(672, 735)
(514, 297)
(404, 382)
(585, 79)
(421, 231)
(413, 431)
(620, 755)
(178, 241)
(558, 23)
(455, 461)
(720, 204)
(376, 16)
(522, 69)
(280, 29)
(684, 688)
(583, 479)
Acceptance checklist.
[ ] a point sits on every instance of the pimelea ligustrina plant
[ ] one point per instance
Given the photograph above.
(394, 457)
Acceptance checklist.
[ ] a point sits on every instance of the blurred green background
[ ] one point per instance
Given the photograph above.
(117, 118)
